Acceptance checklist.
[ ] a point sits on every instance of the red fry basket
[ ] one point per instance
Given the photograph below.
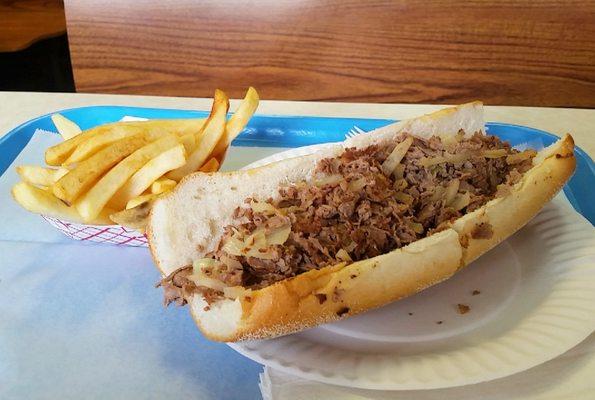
(111, 234)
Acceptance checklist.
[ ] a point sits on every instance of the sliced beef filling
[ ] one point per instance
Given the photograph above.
(178, 287)
(361, 204)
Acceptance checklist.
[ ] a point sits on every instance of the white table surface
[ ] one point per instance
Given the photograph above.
(18, 107)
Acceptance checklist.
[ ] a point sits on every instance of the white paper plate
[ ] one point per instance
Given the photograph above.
(536, 301)
(291, 153)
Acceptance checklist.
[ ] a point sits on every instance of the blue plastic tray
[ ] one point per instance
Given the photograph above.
(274, 131)
(295, 131)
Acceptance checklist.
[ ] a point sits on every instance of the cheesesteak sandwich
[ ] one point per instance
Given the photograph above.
(269, 251)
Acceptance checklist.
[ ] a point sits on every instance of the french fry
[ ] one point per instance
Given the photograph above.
(57, 154)
(134, 218)
(66, 128)
(214, 129)
(92, 202)
(40, 201)
(210, 166)
(180, 127)
(40, 176)
(125, 164)
(185, 128)
(97, 142)
(142, 199)
(189, 142)
(237, 122)
(77, 181)
(144, 177)
(163, 185)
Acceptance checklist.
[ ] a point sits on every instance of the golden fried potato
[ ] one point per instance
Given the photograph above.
(91, 203)
(113, 172)
(237, 122)
(189, 142)
(149, 173)
(142, 199)
(58, 154)
(213, 131)
(77, 181)
(134, 218)
(40, 176)
(40, 201)
(163, 185)
(66, 128)
(180, 127)
(97, 142)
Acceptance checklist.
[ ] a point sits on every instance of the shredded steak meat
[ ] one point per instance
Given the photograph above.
(177, 288)
(353, 210)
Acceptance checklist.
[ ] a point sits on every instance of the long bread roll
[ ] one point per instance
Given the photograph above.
(189, 223)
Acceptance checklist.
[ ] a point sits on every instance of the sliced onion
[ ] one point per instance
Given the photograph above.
(290, 209)
(234, 246)
(452, 140)
(263, 208)
(416, 227)
(461, 201)
(447, 158)
(257, 239)
(351, 246)
(426, 212)
(449, 141)
(399, 171)
(404, 197)
(328, 180)
(401, 184)
(457, 158)
(438, 193)
(395, 157)
(201, 264)
(257, 244)
(203, 280)
(451, 190)
(429, 161)
(262, 253)
(496, 153)
(278, 235)
(357, 185)
(520, 157)
(343, 255)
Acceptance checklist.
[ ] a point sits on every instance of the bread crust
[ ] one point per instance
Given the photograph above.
(296, 304)
(336, 292)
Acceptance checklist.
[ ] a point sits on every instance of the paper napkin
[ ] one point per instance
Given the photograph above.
(570, 376)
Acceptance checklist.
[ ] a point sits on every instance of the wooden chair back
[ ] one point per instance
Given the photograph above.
(522, 52)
